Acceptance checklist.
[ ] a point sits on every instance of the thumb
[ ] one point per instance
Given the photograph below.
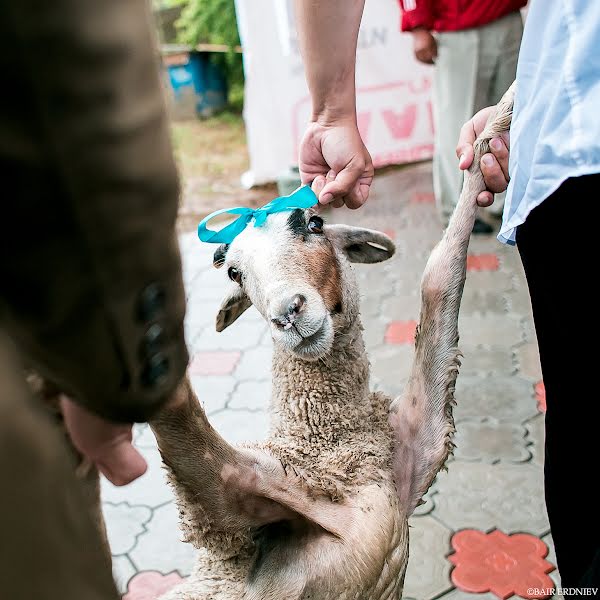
(343, 184)
(121, 463)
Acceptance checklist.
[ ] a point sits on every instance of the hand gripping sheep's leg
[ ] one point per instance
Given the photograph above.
(422, 416)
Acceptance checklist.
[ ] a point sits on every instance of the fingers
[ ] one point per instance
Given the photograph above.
(464, 148)
(493, 175)
(485, 199)
(499, 149)
(121, 463)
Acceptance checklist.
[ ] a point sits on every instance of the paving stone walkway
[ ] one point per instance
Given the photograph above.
(494, 481)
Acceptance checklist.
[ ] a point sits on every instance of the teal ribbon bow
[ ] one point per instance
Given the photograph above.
(303, 197)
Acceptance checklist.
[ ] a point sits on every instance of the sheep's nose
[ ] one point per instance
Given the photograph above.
(288, 312)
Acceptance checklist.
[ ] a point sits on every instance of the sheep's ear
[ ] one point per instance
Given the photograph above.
(235, 303)
(360, 245)
(219, 256)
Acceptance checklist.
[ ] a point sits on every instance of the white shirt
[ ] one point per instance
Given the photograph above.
(555, 131)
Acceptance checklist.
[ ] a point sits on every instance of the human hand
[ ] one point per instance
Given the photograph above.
(494, 164)
(424, 46)
(334, 158)
(108, 445)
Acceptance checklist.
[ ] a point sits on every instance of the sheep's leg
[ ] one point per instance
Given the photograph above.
(224, 492)
(422, 416)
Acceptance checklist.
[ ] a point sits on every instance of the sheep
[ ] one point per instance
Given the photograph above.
(320, 510)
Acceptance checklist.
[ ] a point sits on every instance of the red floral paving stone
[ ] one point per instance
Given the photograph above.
(401, 332)
(505, 565)
(150, 585)
(214, 363)
(422, 198)
(482, 262)
(540, 396)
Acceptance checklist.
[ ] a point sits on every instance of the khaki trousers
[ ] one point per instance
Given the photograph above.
(51, 547)
(473, 69)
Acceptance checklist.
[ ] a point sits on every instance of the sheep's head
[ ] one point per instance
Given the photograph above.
(294, 269)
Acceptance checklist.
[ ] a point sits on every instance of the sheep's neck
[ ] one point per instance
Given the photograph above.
(327, 398)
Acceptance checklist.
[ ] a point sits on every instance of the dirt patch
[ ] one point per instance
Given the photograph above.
(212, 155)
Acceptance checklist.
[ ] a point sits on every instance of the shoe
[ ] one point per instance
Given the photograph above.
(482, 228)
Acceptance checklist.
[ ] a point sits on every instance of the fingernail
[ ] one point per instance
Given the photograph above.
(487, 160)
(496, 144)
(326, 198)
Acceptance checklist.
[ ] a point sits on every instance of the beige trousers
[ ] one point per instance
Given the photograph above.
(473, 69)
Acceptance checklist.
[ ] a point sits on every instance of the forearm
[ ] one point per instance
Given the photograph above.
(328, 31)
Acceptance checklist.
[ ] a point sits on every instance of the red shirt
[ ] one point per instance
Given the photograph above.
(454, 15)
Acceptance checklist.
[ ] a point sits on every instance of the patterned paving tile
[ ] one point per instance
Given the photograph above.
(482, 302)
(213, 392)
(490, 441)
(401, 332)
(505, 565)
(391, 364)
(214, 363)
(404, 306)
(251, 396)
(540, 396)
(536, 429)
(255, 363)
(160, 548)
(123, 570)
(427, 574)
(527, 357)
(124, 524)
(242, 335)
(483, 262)
(150, 585)
(483, 496)
(486, 361)
(238, 426)
(490, 330)
(504, 398)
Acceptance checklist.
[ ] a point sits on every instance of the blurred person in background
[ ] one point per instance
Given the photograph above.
(91, 291)
(474, 45)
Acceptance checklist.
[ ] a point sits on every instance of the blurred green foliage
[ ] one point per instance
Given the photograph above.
(213, 22)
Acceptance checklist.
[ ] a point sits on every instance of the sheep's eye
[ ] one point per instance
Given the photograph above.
(315, 224)
(235, 275)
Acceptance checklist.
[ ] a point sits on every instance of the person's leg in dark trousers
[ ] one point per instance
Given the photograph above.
(555, 250)
(50, 548)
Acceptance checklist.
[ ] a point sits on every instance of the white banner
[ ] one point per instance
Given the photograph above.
(393, 89)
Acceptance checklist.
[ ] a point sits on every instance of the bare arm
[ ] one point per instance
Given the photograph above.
(332, 154)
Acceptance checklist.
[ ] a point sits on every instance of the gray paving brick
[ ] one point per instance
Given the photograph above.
(504, 398)
(213, 391)
(486, 361)
(160, 548)
(482, 302)
(123, 570)
(401, 307)
(143, 436)
(251, 396)
(241, 335)
(238, 426)
(427, 574)
(392, 363)
(501, 331)
(536, 433)
(124, 524)
(255, 363)
(483, 496)
(527, 358)
(491, 441)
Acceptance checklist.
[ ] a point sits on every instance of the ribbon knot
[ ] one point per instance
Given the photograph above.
(303, 197)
